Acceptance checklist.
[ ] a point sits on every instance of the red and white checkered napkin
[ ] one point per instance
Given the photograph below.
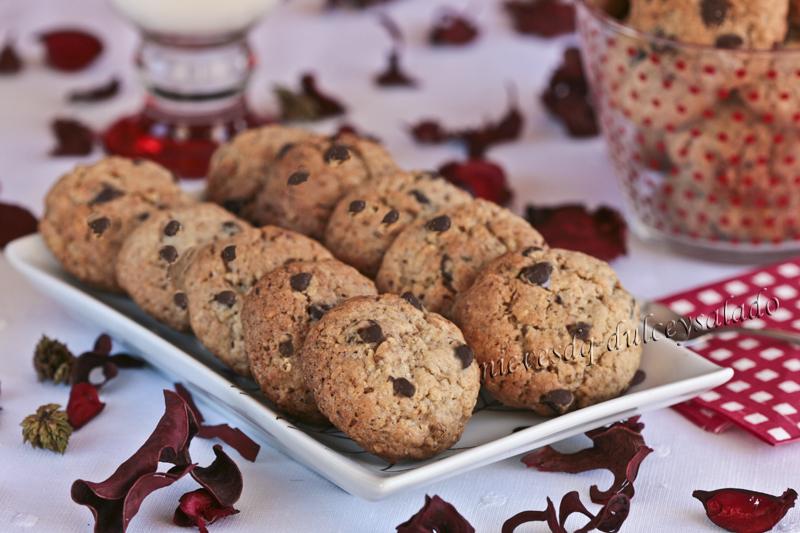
(763, 396)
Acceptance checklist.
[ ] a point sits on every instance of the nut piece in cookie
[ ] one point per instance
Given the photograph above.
(437, 257)
(276, 316)
(90, 211)
(366, 221)
(553, 330)
(239, 168)
(309, 178)
(148, 259)
(220, 274)
(398, 380)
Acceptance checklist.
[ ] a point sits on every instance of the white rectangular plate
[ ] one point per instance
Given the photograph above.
(673, 373)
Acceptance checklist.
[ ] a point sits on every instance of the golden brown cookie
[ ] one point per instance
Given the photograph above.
(438, 257)
(398, 380)
(145, 262)
(309, 178)
(276, 316)
(240, 168)
(92, 209)
(218, 275)
(366, 221)
(550, 330)
(751, 24)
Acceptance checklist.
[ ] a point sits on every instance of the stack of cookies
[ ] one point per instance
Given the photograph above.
(386, 331)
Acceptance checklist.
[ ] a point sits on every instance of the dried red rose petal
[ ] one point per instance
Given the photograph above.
(70, 50)
(619, 448)
(10, 62)
(601, 233)
(15, 222)
(233, 437)
(84, 404)
(199, 508)
(96, 94)
(476, 140)
(115, 501)
(307, 104)
(436, 515)
(545, 18)
(568, 99)
(73, 138)
(745, 511)
(609, 519)
(481, 178)
(222, 486)
(453, 29)
(393, 75)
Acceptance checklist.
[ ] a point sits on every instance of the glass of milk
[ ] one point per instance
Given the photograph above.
(195, 62)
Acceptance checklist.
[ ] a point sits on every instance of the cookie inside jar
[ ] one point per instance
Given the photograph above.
(699, 105)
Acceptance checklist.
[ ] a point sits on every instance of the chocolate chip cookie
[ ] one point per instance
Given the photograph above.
(92, 209)
(553, 330)
(218, 275)
(240, 168)
(365, 222)
(398, 380)
(309, 178)
(728, 24)
(149, 254)
(437, 257)
(276, 316)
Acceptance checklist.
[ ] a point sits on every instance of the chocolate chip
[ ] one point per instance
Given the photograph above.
(580, 330)
(180, 299)
(230, 227)
(531, 249)
(141, 217)
(301, 176)
(299, 282)
(559, 301)
(286, 348)
(226, 298)
(638, 378)
(445, 269)
(234, 205)
(440, 224)
(537, 274)
(729, 41)
(228, 253)
(403, 387)
(168, 253)
(284, 150)
(172, 227)
(356, 206)
(413, 300)
(465, 354)
(391, 217)
(372, 334)
(558, 400)
(337, 152)
(107, 194)
(421, 198)
(317, 311)
(99, 225)
(714, 12)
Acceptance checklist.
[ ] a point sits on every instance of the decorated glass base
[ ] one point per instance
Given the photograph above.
(195, 102)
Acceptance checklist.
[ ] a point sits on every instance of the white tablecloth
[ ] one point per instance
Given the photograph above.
(346, 49)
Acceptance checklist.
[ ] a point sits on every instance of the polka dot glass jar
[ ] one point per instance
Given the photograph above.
(705, 141)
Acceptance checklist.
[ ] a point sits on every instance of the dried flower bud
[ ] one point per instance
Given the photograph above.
(52, 360)
(48, 428)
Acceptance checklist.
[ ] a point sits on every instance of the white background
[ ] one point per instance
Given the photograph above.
(346, 49)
